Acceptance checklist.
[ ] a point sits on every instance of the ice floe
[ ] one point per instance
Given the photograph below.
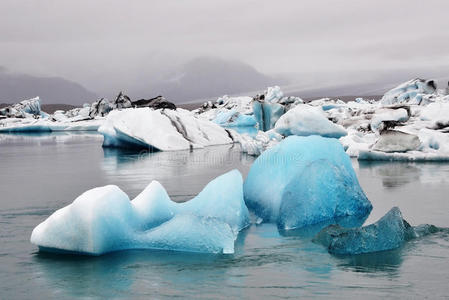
(389, 232)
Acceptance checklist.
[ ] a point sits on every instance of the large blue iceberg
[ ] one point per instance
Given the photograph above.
(103, 220)
(304, 181)
(389, 232)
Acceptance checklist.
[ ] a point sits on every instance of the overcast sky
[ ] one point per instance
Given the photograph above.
(104, 42)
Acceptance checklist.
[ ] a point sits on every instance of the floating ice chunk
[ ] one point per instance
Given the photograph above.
(273, 94)
(160, 130)
(23, 109)
(103, 219)
(396, 141)
(411, 92)
(143, 128)
(304, 181)
(389, 232)
(391, 115)
(304, 120)
(31, 106)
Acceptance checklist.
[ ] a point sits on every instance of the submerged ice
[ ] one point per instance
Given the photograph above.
(389, 232)
(303, 181)
(103, 220)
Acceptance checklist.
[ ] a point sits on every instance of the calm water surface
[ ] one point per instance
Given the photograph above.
(39, 174)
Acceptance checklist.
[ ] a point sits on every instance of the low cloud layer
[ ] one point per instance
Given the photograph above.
(111, 45)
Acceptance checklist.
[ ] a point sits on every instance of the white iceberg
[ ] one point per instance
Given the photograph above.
(273, 94)
(103, 220)
(24, 109)
(44, 125)
(161, 129)
(305, 120)
(388, 115)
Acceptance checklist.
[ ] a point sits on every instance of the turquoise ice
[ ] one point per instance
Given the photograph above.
(103, 220)
(304, 181)
(389, 232)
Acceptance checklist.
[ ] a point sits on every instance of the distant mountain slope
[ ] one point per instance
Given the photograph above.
(210, 77)
(16, 87)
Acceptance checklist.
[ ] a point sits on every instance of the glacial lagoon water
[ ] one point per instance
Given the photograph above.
(41, 173)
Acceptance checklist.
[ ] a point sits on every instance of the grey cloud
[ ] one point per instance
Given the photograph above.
(110, 44)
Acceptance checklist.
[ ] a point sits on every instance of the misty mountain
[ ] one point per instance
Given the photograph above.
(210, 77)
(16, 87)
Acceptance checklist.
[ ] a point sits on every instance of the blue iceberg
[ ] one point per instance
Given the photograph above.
(304, 181)
(389, 232)
(103, 220)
